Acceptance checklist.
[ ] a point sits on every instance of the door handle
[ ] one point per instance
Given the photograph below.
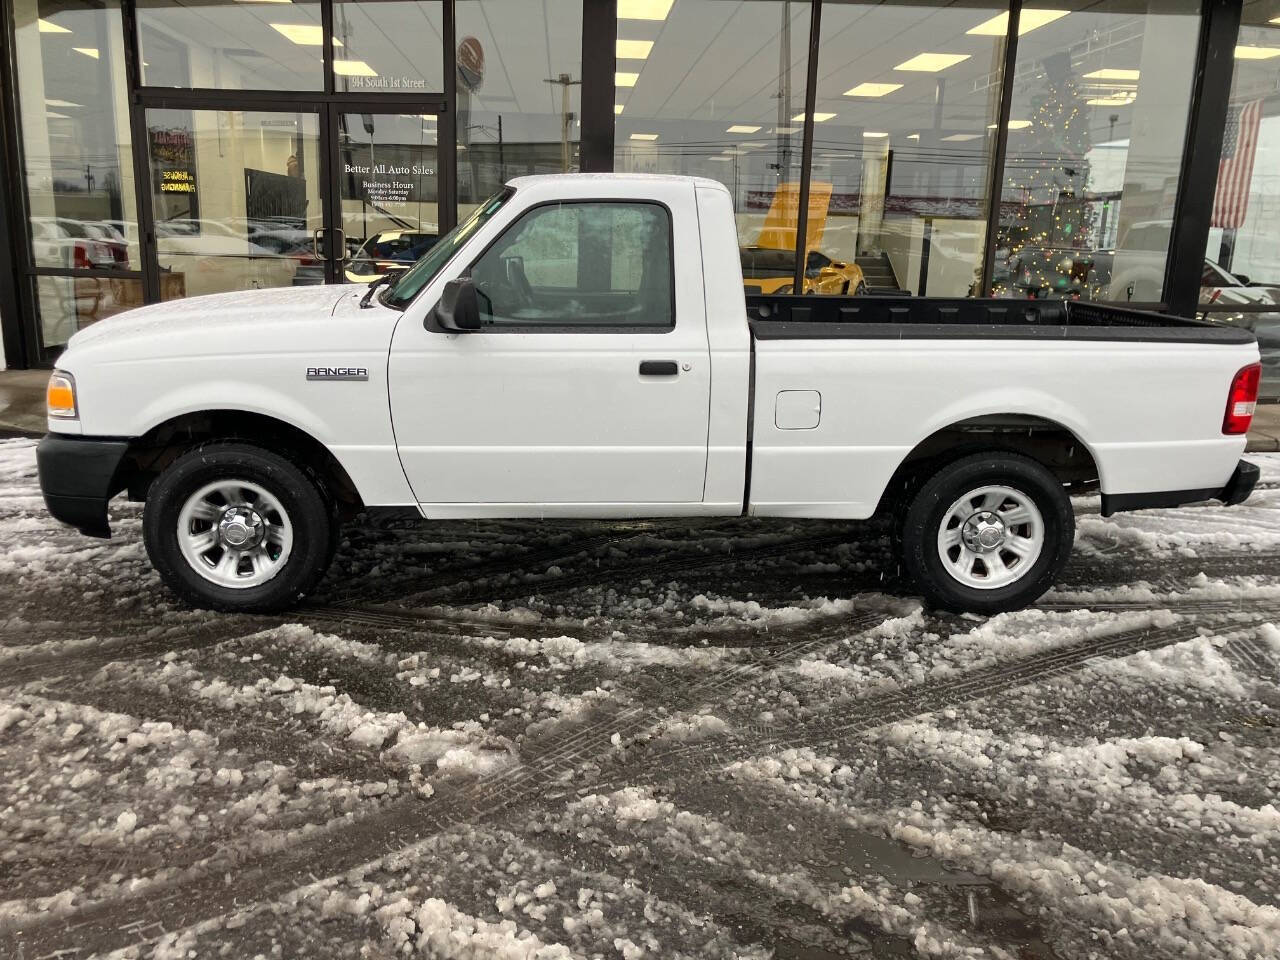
(341, 236)
(658, 368)
(316, 240)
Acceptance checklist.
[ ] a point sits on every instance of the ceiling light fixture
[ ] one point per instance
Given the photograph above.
(1013, 125)
(625, 79)
(1028, 20)
(644, 136)
(353, 68)
(742, 128)
(913, 136)
(932, 62)
(1119, 100)
(961, 137)
(785, 130)
(633, 49)
(817, 117)
(872, 89)
(617, 109)
(87, 51)
(1245, 52)
(303, 34)
(48, 26)
(1112, 73)
(874, 134)
(61, 103)
(644, 9)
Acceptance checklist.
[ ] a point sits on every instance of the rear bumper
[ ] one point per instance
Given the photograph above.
(1243, 479)
(78, 477)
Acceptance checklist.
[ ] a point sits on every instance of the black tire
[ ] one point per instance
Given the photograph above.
(299, 491)
(921, 553)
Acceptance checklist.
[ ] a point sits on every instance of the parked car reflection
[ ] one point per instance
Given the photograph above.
(388, 250)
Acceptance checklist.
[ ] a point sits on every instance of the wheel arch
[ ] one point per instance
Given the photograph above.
(1049, 442)
(150, 453)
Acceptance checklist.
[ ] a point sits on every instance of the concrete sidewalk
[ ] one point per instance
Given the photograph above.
(22, 410)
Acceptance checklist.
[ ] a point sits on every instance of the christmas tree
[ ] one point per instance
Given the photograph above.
(1047, 235)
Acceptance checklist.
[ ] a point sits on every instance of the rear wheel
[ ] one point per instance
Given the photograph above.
(235, 527)
(988, 533)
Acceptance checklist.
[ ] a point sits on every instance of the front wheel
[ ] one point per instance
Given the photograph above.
(238, 528)
(988, 533)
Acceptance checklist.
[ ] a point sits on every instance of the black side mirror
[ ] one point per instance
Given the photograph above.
(458, 310)
(1244, 279)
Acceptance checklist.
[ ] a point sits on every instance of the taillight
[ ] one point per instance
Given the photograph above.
(1242, 399)
(81, 261)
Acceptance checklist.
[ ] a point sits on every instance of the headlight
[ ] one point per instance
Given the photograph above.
(61, 396)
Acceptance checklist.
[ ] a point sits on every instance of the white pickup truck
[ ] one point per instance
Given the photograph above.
(581, 347)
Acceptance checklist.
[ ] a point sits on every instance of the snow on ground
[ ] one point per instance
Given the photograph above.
(706, 739)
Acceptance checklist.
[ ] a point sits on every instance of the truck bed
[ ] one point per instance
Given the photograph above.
(792, 317)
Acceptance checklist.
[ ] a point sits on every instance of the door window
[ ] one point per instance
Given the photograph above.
(580, 265)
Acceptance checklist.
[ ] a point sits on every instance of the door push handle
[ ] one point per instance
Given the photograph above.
(658, 368)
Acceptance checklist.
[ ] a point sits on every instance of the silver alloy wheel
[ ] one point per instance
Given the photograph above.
(234, 533)
(991, 537)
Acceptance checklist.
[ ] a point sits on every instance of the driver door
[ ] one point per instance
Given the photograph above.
(587, 386)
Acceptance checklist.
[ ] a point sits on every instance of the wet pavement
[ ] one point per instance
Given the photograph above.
(652, 739)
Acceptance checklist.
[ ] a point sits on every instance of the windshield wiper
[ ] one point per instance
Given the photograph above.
(381, 281)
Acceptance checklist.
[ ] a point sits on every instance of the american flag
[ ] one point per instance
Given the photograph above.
(1235, 170)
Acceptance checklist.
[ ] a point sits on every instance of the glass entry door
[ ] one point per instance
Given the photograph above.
(386, 194)
(236, 197)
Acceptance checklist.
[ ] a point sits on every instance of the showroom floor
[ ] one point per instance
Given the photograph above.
(650, 739)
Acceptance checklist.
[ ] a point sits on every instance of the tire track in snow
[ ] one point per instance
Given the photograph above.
(38, 665)
(748, 739)
(548, 776)
(120, 923)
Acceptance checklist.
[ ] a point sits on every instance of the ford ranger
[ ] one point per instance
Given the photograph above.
(581, 346)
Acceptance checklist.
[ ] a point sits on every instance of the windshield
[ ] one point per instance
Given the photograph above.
(402, 291)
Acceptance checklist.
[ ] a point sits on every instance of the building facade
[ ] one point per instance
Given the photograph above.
(1111, 150)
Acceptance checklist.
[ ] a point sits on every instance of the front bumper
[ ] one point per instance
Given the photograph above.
(78, 475)
(1237, 490)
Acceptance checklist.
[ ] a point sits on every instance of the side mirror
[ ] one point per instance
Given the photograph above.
(1244, 279)
(458, 310)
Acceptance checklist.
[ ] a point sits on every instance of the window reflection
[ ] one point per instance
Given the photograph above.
(519, 83)
(226, 45)
(384, 46)
(1244, 235)
(77, 161)
(236, 197)
(907, 101)
(1101, 94)
(717, 90)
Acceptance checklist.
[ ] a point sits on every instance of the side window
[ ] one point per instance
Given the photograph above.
(580, 265)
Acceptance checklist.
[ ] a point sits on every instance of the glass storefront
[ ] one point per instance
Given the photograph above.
(909, 98)
(1241, 280)
(1101, 94)
(77, 163)
(235, 197)
(519, 83)
(291, 142)
(231, 44)
(717, 90)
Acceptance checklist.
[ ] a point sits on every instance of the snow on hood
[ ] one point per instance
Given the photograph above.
(256, 306)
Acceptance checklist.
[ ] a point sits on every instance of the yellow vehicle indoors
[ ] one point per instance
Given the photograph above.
(773, 271)
(769, 264)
